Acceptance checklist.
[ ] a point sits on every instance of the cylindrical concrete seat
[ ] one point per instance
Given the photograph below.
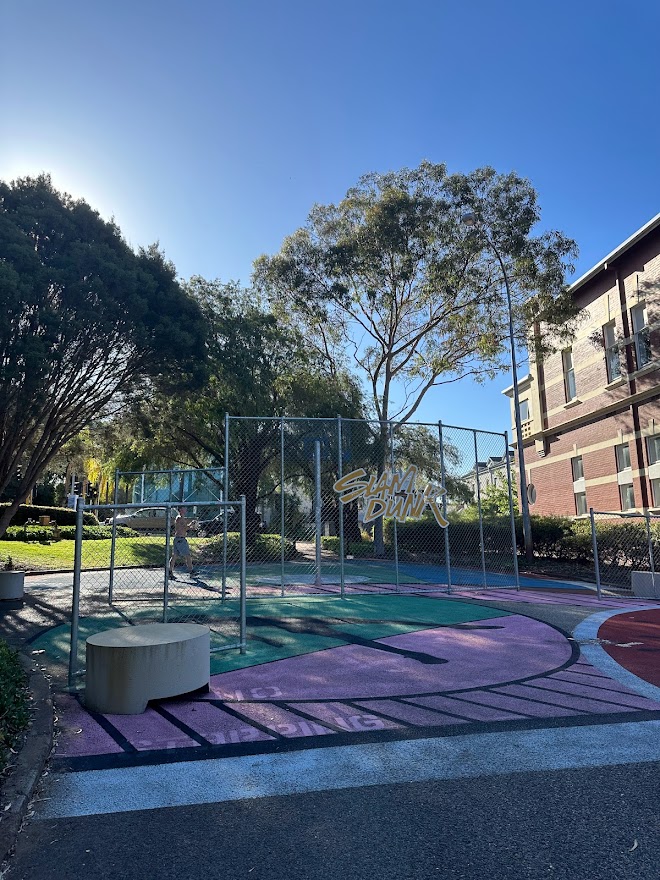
(129, 666)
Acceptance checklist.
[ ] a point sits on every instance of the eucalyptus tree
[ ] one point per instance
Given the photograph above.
(391, 281)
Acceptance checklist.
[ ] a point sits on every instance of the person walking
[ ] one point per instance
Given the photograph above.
(181, 547)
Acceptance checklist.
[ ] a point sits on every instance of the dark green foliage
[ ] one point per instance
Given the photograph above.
(66, 533)
(14, 712)
(63, 516)
(259, 367)
(360, 549)
(264, 548)
(85, 321)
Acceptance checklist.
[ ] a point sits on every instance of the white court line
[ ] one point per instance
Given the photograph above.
(598, 656)
(422, 760)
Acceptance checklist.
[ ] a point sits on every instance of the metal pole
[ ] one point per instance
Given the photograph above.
(594, 542)
(225, 510)
(443, 477)
(481, 519)
(243, 615)
(113, 543)
(75, 601)
(340, 474)
(282, 523)
(511, 513)
(166, 585)
(524, 502)
(317, 508)
(394, 529)
(647, 517)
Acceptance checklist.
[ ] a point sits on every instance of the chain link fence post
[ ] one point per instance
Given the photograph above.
(479, 510)
(75, 600)
(514, 542)
(225, 487)
(340, 474)
(282, 514)
(443, 478)
(395, 536)
(317, 513)
(243, 581)
(649, 538)
(594, 540)
(166, 583)
(111, 576)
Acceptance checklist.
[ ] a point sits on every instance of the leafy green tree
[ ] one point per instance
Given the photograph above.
(495, 500)
(391, 279)
(85, 324)
(258, 368)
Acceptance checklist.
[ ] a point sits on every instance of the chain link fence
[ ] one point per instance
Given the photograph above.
(134, 578)
(626, 552)
(345, 505)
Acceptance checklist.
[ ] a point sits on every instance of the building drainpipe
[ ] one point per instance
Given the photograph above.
(632, 387)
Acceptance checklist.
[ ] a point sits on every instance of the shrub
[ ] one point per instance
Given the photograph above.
(264, 548)
(362, 549)
(331, 543)
(359, 549)
(63, 516)
(14, 714)
(67, 533)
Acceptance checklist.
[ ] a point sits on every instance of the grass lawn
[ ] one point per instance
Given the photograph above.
(32, 556)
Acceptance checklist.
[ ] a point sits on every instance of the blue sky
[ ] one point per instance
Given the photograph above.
(213, 127)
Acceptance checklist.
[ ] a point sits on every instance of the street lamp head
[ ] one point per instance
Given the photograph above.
(469, 218)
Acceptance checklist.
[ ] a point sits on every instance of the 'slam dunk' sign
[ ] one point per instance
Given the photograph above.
(392, 494)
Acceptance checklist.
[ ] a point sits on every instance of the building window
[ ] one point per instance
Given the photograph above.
(655, 491)
(524, 410)
(569, 374)
(627, 494)
(642, 335)
(653, 449)
(622, 457)
(578, 468)
(580, 503)
(612, 359)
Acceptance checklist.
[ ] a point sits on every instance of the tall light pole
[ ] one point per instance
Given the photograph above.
(470, 219)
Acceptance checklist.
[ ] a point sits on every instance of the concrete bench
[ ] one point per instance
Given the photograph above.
(129, 666)
(645, 584)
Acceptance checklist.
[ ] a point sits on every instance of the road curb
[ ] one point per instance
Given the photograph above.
(18, 788)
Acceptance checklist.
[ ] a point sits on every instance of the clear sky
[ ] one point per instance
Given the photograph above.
(213, 126)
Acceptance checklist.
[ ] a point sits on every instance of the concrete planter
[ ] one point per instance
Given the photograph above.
(11, 584)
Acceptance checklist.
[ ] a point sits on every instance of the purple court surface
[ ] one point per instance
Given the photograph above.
(498, 668)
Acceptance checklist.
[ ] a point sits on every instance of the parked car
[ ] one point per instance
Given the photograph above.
(214, 525)
(146, 519)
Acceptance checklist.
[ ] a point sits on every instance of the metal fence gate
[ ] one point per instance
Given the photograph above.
(130, 583)
(351, 505)
(626, 553)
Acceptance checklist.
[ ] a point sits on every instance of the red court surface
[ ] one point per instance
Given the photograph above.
(633, 640)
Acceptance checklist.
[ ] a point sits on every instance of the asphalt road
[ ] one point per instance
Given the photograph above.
(586, 823)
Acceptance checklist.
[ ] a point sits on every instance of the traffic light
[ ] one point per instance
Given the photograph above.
(77, 488)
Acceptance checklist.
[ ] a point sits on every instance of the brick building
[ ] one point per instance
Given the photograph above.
(591, 413)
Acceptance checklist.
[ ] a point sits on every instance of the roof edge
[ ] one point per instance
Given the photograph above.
(616, 253)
